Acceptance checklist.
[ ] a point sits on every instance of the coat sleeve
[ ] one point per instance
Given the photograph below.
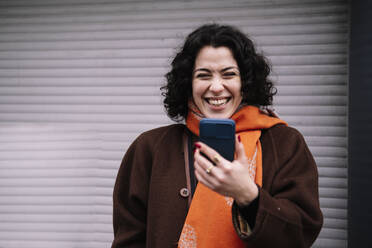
(288, 213)
(130, 197)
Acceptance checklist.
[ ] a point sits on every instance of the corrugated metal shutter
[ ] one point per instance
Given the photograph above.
(79, 80)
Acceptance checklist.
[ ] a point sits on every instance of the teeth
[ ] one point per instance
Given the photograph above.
(217, 102)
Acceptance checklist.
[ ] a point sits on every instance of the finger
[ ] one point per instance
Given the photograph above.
(202, 165)
(206, 178)
(204, 173)
(201, 160)
(202, 179)
(239, 149)
(211, 153)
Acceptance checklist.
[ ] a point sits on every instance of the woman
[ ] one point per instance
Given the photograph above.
(167, 196)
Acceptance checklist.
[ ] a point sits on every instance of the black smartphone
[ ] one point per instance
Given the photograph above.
(220, 135)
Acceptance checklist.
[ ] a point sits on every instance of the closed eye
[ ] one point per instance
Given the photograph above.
(229, 74)
(203, 75)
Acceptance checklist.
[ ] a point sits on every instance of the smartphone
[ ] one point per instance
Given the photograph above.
(220, 135)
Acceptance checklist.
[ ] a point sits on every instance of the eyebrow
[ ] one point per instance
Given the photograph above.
(202, 69)
(223, 70)
(229, 68)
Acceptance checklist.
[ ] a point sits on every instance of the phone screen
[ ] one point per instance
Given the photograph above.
(220, 135)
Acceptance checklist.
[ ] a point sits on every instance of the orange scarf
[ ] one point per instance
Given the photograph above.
(209, 221)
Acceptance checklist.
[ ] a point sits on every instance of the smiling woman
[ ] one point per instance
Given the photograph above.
(216, 84)
(166, 196)
(233, 48)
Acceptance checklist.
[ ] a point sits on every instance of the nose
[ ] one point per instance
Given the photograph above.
(216, 86)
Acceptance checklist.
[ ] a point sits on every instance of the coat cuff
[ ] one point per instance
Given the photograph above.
(244, 217)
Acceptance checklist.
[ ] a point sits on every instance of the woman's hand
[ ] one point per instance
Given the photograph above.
(226, 178)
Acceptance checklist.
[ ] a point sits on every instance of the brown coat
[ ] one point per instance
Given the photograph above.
(149, 208)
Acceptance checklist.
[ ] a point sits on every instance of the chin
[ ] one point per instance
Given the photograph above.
(219, 116)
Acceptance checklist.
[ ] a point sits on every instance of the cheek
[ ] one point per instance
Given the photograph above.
(235, 89)
(197, 90)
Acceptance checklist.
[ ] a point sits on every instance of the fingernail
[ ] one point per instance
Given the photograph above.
(239, 139)
(197, 145)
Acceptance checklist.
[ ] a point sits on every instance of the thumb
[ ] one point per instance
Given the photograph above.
(239, 149)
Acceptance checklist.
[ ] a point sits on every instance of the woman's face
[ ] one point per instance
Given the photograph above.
(216, 82)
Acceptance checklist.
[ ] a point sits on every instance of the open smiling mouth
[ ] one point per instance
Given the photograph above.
(217, 101)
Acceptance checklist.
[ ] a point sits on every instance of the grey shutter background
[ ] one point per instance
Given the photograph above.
(79, 80)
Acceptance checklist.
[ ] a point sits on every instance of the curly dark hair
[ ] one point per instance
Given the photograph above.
(254, 69)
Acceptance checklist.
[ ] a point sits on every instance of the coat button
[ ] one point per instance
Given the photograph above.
(184, 192)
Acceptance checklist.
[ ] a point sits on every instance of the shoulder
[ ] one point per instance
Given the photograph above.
(172, 128)
(151, 141)
(283, 135)
(160, 132)
(283, 130)
(158, 135)
(284, 143)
